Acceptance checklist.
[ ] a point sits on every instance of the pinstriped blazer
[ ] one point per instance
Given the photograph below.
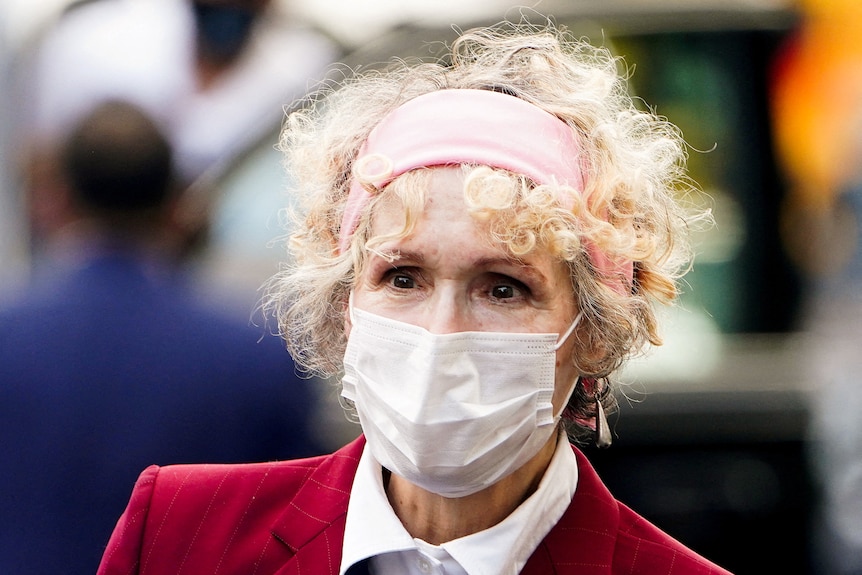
(287, 518)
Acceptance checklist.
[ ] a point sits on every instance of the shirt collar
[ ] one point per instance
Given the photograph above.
(372, 528)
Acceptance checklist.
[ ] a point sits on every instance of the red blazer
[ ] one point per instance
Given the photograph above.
(287, 517)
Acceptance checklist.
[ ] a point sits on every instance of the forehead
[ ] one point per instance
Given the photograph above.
(430, 212)
(427, 201)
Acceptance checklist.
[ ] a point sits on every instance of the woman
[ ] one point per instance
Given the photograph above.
(478, 249)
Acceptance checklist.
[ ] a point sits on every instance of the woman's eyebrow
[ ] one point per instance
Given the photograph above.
(524, 268)
(392, 255)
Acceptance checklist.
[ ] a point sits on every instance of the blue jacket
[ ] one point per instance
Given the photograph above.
(112, 367)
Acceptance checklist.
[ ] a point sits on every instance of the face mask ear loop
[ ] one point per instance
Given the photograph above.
(568, 332)
(350, 308)
(560, 344)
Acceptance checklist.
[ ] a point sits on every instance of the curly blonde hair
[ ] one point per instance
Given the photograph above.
(635, 179)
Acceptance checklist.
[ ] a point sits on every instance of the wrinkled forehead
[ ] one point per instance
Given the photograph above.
(459, 199)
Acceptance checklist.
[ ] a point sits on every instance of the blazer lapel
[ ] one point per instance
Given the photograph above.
(588, 529)
(312, 526)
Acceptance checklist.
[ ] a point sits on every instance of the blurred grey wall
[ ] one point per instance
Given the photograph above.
(12, 226)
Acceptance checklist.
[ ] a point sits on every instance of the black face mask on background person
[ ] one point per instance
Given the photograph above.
(222, 31)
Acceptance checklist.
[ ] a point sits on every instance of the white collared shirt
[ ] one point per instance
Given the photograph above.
(374, 531)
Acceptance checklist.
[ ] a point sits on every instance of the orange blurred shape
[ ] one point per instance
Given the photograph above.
(817, 99)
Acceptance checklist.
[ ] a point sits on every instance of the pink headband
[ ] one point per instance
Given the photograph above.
(451, 127)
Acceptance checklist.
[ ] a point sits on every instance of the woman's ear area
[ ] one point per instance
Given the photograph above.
(588, 350)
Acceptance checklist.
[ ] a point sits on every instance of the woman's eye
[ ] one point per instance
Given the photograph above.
(402, 281)
(504, 291)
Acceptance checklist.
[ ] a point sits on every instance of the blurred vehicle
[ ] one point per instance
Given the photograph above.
(710, 441)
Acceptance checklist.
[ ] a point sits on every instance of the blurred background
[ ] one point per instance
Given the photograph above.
(740, 436)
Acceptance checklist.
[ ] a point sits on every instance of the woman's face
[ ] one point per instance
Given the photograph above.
(446, 277)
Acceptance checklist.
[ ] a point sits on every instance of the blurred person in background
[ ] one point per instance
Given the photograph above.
(214, 74)
(110, 361)
(817, 112)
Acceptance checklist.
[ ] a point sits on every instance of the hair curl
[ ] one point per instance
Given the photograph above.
(635, 179)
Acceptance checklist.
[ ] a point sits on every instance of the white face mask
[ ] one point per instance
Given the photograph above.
(451, 413)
